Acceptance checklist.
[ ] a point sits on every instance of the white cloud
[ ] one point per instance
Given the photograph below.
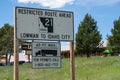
(96, 2)
(49, 3)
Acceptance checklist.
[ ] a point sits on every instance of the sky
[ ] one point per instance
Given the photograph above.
(105, 12)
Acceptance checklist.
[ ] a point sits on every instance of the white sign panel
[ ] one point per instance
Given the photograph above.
(44, 24)
(46, 55)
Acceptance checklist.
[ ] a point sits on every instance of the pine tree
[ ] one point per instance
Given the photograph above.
(88, 36)
(114, 39)
(6, 38)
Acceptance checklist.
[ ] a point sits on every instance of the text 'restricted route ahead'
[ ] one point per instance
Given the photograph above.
(44, 24)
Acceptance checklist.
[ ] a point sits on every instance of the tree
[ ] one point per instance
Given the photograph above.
(114, 39)
(88, 36)
(6, 40)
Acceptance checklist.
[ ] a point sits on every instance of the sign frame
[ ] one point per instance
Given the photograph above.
(66, 33)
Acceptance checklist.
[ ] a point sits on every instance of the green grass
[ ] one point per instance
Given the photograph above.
(94, 68)
(98, 68)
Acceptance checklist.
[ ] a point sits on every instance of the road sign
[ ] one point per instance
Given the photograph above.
(33, 23)
(26, 46)
(46, 55)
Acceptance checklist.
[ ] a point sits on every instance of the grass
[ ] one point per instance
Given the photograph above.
(98, 68)
(94, 68)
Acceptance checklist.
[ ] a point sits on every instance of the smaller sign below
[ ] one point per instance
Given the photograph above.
(26, 46)
(46, 55)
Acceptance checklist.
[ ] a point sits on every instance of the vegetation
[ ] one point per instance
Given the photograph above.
(88, 37)
(6, 39)
(94, 68)
(114, 39)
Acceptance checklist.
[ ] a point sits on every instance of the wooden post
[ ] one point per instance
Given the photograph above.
(72, 62)
(16, 56)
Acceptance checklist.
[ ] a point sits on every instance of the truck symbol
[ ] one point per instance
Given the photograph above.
(46, 52)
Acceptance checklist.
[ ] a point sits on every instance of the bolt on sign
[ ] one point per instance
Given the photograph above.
(43, 24)
(46, 55)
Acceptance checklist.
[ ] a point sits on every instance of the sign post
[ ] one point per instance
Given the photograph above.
(16, 56)
(72, 61)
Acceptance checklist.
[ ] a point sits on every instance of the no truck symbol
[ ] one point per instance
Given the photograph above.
(45, 25)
